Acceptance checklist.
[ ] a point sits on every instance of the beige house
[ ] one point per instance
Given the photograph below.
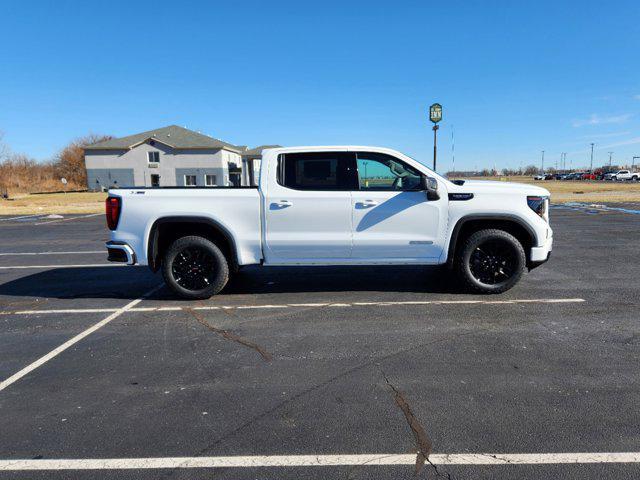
(168, 157)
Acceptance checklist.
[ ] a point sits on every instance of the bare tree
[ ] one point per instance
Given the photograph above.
(70, 160)
(4, 148)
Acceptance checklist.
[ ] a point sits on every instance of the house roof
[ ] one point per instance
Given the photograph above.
(173, 135)
(257, 151)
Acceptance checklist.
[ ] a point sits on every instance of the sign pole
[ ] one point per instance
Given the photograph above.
(435, 115)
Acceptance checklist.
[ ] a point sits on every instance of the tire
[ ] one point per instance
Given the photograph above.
(195, 268)
(634, 178)
(490, 261)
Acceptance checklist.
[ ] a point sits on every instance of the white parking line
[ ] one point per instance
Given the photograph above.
(22, 216)
(375, 459)
(11, 254)
(294, 305)
(86, 265)
(68, 219)
(57, 351)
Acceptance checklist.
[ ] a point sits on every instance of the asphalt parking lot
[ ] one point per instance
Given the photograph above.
(319, 373)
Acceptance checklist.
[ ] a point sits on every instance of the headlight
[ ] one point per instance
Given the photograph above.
(540, 205)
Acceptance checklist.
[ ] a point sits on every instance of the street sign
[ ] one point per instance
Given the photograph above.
(64, 181)
(435, 112)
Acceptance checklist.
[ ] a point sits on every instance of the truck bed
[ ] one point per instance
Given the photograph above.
(235, 209)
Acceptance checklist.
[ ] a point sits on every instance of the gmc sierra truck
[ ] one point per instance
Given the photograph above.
(333, 206)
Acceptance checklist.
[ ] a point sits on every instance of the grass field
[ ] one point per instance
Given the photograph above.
(93, 202)
(581, 191)
(27, 204)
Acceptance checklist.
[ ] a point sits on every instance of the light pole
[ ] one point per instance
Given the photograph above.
(366, 178)
(435, 115)
(633, 160)
(542, 165)
(610, 153)
(591, 168)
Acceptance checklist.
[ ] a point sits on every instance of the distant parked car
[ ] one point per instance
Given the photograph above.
(623, 175)
(574, 176)
(549, 176)
(588, 176)
(538, 177)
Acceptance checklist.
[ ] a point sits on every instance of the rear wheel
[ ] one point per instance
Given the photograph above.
(195, 268)
(490, 261)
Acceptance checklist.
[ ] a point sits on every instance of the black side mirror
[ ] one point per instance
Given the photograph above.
(430, 186)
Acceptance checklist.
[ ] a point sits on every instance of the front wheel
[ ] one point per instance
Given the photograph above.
(490, 261)
(195, 268)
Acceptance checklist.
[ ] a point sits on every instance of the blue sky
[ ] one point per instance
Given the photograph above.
(514, 78)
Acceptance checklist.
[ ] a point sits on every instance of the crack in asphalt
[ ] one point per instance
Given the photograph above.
(423, 442)
(324, 384)
(266, 356)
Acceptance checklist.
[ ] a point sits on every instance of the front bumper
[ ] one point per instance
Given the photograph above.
(120, 252)
(539, 255)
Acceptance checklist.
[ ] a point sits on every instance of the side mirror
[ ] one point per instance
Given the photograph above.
(430, 186)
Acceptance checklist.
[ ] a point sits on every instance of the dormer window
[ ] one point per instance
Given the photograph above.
(154, 157)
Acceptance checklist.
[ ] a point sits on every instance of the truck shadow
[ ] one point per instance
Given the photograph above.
(133, 282)
(404, 278)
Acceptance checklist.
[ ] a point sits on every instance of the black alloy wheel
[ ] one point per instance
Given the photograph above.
(490, 261)
(195, 268)
(493, 262)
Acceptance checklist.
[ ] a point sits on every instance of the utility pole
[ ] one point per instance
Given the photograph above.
(453, 149)
(542, 164)
(591, 168)
(610, 153)
(633, 160)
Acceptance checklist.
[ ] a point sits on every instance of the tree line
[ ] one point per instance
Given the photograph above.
(20, 173)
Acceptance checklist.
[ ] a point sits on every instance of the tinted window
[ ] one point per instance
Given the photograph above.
(317, 171)
(377, 171)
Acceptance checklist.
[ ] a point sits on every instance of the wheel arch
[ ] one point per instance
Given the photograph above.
(512, 224)
(165, 230)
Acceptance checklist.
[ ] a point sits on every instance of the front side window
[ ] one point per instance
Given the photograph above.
(317, 171)
(210, 180)
(154, 157)
(381, 172)
(190, 180)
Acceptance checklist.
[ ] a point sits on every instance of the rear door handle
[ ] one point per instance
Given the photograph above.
(283, 203)
(367, 203)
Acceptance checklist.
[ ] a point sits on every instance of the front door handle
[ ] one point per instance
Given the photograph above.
(367, 203)
(283, 203)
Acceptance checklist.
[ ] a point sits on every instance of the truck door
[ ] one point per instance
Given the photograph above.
(308, 208)
(392, 217)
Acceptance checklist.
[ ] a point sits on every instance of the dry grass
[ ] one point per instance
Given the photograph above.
(84, 202)
(581, 191)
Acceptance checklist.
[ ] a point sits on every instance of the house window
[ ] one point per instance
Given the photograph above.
(190, 181)
(154, 157)
(209, 180)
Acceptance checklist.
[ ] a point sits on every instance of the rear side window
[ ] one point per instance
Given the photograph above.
(317, 171)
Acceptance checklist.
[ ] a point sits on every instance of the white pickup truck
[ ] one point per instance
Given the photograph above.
(333, 206)
(622, 175)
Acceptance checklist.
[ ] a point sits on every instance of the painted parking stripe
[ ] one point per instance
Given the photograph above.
(69, 219)
(376, 459)
(72, 341)
(20, 217)
(47, 267)
(296, 305)
(13, 254)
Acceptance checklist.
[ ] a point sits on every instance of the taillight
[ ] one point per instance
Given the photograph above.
(113, 212)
